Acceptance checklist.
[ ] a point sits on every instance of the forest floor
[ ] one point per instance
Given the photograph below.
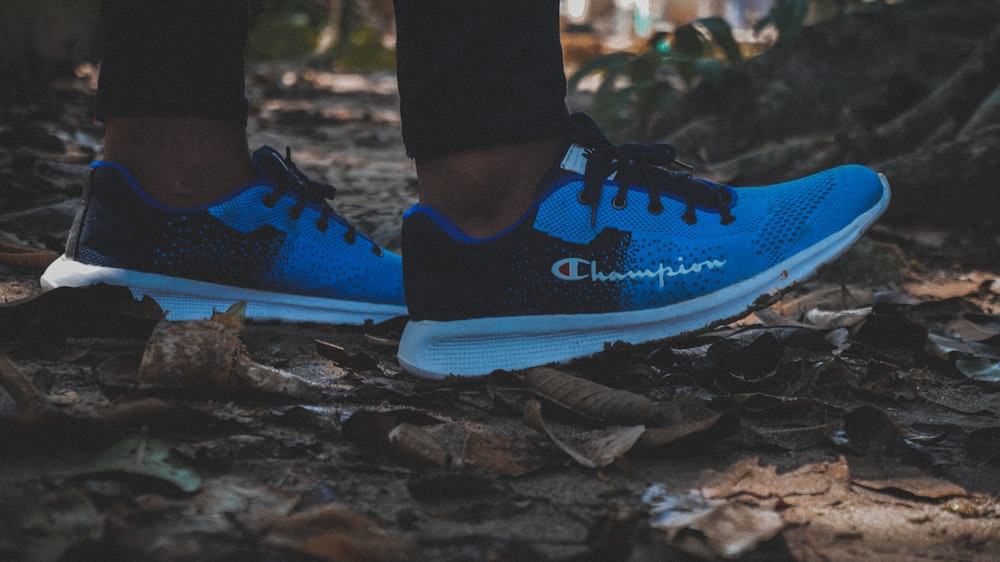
(856, 419)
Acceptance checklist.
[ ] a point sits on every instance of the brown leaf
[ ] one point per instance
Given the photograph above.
(588, 398)
(594, 449)
(747, 477)
(508, 455)
(655, 437)
(336, 533)
(726, 529)
(792, 438)
(370, 429)
(25, 257)
(734, 529)
(418, 446)
(267, 379)
(209, 353)
(190, 354)
(830, 299)
(931, 488)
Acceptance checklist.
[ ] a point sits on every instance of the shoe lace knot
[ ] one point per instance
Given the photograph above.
(653, 166)
(304, 189)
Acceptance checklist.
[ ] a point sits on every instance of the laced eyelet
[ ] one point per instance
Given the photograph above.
(582, 197)
(270, 201)
(321, 224)
(690, 218)
(619, 204)
(377, 250)
(350, 237)
(295, 213)
(655, 208)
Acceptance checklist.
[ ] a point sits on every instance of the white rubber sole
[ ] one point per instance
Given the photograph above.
(185, 299)
(432, 349)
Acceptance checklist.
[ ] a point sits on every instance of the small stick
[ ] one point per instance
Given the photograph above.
(24, 393)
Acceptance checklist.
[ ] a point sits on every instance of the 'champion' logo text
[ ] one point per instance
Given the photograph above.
(578, 269)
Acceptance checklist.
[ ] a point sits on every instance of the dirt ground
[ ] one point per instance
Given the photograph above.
(856, 419)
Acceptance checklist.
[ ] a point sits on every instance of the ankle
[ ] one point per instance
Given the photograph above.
(181, 161)
(485, 190)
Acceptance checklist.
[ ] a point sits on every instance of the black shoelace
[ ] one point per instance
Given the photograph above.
(646, 165)
(303, 189)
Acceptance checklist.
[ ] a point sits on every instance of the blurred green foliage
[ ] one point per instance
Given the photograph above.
(284, 29)
(633, 87)
(364, 52)
(291, 29)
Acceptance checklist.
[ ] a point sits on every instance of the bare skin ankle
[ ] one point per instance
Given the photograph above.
(181, 161)
(485, 190)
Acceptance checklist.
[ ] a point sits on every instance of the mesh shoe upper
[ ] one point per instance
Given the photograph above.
(277, 234)
(584, 249)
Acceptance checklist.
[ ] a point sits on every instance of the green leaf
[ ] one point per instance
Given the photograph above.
(142, 456)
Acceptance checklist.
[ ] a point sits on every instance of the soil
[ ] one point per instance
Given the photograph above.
(856, 419)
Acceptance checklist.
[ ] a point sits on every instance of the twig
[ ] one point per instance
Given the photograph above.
(24, 393)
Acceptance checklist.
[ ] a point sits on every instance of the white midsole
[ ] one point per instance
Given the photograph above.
(186, 299)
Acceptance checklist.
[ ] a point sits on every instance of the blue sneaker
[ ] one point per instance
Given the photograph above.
(618, 247)
(274, 243)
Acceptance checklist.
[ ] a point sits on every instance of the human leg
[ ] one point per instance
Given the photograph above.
(171, 96)
(481, 85)
(181, 211)
(616, 243)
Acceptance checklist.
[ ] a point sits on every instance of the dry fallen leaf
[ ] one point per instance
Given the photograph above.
(655, 437)
(592, 449)
(195, 353)
(748, 477)
(588, 398)
(727, 529)
(507, 455)
(418, 446)
(931, 488)
(25, 257)
(209, 353)
(336, 533)
(734, 529)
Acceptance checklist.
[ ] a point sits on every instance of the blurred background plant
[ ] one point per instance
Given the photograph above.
(633, 87)
(346, 35)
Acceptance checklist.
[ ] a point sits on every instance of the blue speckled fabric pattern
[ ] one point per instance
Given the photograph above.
(239, 241)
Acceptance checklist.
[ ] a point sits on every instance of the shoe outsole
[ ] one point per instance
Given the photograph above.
(434, 350)
(186, 299)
